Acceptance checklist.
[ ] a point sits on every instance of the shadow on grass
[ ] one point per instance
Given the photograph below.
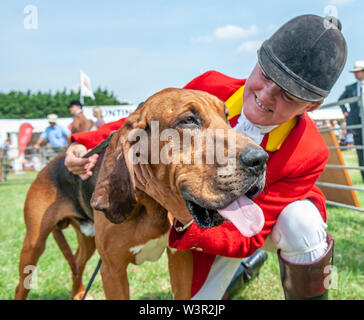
(64, 295)
(156, 296)
(67, 296)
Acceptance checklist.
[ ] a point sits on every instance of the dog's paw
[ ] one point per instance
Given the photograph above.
(79, 296)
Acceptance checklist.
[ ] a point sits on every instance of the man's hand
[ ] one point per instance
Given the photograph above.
(37, 144)
(146, 181)
(78, 165)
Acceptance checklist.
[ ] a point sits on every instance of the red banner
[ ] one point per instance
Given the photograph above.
(24, 135)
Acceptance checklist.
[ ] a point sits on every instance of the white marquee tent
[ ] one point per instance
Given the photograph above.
(11, 127)
(110, 113)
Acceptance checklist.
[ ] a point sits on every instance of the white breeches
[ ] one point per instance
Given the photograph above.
(299, 233)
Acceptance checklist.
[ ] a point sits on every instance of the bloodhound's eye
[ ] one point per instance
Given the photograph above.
(190, 122)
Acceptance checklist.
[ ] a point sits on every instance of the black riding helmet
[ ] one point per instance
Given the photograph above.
(305, 56)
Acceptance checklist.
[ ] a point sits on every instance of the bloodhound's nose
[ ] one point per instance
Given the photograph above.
(253, 160)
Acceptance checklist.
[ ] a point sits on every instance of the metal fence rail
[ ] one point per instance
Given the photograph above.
(32, 159)
(347, 147)
(360, 100)
(333, 166)
(338, 186)
(343, 205)
(353, 126)
(341, 102)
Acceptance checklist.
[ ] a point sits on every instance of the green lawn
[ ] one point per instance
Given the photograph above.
(151, 280)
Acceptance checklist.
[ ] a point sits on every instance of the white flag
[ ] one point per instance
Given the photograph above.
(86, 90)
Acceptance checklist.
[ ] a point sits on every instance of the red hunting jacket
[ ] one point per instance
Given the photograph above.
(292, 170)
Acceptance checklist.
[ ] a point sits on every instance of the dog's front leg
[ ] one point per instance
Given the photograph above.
(180, 263)
(115, 257)
(115, 281)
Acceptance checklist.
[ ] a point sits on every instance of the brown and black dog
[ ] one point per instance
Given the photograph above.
(130, 226)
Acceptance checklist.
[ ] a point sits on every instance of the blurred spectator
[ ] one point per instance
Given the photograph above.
(80, 122)
(3, 140)
(338, 132)
(98, 115)
(348, 139)
(352, 116)
(55, 133)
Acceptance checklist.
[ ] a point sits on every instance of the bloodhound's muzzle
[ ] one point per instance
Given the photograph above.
(186, 163)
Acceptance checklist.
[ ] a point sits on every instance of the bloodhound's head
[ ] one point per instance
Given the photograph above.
(185, 136)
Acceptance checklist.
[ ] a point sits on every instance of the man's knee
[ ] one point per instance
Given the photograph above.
(299, 228)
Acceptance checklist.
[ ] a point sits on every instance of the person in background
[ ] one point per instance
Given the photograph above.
(80, 122)
(97, 112)
(57, 135)
(353, 115)
(348, 140)
(338, 132)
(3, 140)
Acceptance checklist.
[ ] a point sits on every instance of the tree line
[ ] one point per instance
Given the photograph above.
(27, 105)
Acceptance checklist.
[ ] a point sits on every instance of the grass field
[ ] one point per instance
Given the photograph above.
(151, 280)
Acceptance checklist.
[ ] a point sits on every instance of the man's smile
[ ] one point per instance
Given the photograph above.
(260, 106)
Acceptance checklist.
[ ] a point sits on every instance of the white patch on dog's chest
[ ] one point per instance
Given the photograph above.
(150, 251)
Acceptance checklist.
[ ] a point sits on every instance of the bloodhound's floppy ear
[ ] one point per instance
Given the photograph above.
(115, 190)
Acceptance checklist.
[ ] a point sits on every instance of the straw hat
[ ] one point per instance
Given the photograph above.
(358, 66)
(52, 118)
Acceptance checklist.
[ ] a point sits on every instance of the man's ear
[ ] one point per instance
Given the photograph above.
(314, 105)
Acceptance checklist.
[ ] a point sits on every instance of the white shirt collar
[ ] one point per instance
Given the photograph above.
(253, 131)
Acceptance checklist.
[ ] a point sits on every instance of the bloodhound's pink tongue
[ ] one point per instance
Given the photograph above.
(246, 216)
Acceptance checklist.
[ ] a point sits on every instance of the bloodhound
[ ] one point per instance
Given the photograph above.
(130, 226)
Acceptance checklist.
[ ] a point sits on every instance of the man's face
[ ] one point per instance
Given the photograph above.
(52, 124)
(359, 75)
(267, 104)
(74, 108)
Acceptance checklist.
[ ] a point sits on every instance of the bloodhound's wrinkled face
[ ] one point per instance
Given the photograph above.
(185, 136)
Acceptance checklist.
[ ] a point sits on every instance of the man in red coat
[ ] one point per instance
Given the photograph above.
(296, 69)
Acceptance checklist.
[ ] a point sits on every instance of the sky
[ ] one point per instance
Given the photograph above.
(136, 48)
